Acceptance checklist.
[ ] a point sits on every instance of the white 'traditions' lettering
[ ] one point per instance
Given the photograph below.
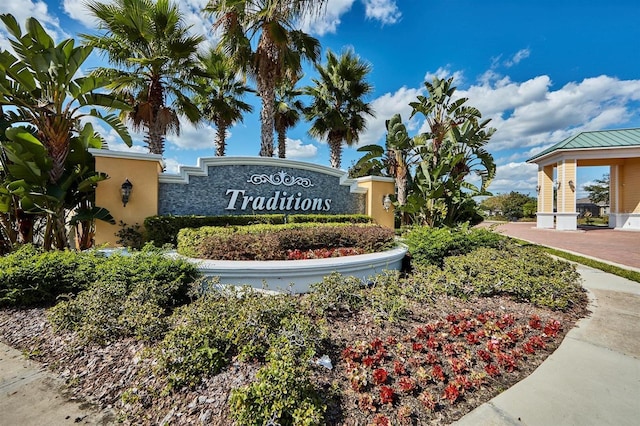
(234, 198)
(278, 201)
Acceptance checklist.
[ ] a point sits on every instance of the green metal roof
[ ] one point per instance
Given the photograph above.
(598, 139)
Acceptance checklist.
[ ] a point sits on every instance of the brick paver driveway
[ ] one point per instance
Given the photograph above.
(617, 247)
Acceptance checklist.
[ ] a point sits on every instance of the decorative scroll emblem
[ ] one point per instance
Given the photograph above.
(280, 178)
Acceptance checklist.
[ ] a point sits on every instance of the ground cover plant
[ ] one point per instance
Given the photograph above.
(415, 349)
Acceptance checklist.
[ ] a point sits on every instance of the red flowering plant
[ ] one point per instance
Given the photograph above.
(441, 362)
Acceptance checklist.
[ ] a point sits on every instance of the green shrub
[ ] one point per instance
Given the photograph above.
(386, 297)
(524, 273)
(132, 297)
(164, 229)
(270, 242)
(283, 392)
(219, 326)
(335, 295)
(430, 246)
(31, 277)
(130, 236)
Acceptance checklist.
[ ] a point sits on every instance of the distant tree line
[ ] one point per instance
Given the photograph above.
(511, 206)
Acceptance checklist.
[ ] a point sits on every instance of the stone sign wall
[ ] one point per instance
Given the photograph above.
(258, 185)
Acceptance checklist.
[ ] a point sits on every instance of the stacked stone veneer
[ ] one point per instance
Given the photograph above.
(277, 187)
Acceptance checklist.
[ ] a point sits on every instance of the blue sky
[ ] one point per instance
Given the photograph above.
(541, 70)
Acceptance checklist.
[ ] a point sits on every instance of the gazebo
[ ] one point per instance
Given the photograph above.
(618, 149)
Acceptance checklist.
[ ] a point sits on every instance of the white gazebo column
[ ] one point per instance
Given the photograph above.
(544, 215)
(567, 217)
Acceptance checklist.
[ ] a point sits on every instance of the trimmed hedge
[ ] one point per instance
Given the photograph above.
(273, 242)
(163, 230)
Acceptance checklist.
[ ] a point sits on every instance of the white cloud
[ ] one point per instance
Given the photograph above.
(328, 20)
(531, 114)
(445, 72)
(385, 11)
(296, 149)
(517, 58)
(77, 10)
(200, 23)
(171, 166)
(385, 107)
(192, 137)
(24, 9)
(521, 177)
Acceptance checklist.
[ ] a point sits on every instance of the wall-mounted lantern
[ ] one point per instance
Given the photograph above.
(557, 184)
(538, 189)
(386, 202)
(125, 192)
(572, 186)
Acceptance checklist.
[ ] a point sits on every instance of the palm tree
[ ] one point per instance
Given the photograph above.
(219, 94)
(338, 108)
(268, 27)
(149, 44)
(287, 113)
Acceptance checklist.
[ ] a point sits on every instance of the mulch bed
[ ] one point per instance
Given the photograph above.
(447, 358)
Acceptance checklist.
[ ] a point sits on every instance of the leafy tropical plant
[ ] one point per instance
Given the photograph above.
(219, 95)
(434, 170)
(260, 36)
(338, 108)
(149, 44)
(47, 169)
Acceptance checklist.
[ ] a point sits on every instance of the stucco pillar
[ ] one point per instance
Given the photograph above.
(544, 216)
(142, 171)
(567, 217)
(377, 188)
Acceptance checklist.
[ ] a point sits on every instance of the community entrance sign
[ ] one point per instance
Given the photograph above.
(221, 186)
(258, 185)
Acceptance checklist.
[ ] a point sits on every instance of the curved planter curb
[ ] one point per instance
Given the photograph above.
(296, 276)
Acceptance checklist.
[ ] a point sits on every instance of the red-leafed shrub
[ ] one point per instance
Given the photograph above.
(283, 242)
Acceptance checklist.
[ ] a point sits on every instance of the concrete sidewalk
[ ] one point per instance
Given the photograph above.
(31, 396)
(593, 378)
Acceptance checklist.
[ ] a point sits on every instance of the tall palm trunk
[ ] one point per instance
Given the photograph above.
(155, 138)
(266, 78)
(335, 147)
(267, 113)
(282, 144)
(157, 129)
(220, 139)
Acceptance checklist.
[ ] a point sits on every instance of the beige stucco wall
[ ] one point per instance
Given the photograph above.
(629, 181)
(377, 188)
(142, 171)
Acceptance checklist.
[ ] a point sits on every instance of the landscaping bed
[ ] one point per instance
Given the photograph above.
(103, 374)
(476, 314)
